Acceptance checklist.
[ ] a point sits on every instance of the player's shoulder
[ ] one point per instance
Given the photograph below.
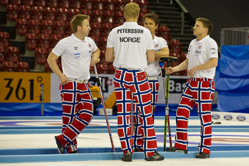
(143, 28)
(211, 40)
(64, 41)
(158, 38)
(89, 39)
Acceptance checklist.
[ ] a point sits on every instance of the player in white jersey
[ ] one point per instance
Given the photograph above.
(77, 53)
(201, 62)
(153, 69)
(133, 48)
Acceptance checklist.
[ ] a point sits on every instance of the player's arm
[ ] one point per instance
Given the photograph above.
(150, 55)
(180, 67)
(95, 57)
(163, 52)
(213, 62)
(109, 54)
(53, 65)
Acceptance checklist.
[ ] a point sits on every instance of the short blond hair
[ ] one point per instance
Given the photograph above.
(77, 21)
(131, 10)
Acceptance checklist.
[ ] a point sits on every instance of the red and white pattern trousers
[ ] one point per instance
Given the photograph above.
(199, 92)
(135, 81)
(77, 106)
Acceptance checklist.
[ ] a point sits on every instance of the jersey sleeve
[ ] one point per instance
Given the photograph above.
(94, 46)
(163, 43)
(150, 45)
(189, 48)
(110, 40)
(212, 49)
(60, 47)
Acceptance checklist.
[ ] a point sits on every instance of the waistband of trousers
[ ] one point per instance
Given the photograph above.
(201, 79)
(79, 81)
(130, 68)
(152, 78)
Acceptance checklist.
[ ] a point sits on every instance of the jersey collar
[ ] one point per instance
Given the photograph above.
(202, 40)
(130, 23)
(77, 39)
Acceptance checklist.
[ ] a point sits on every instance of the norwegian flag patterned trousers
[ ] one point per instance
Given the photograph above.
(135, 81)
(77, 106)
(138, 139)
(199, 92)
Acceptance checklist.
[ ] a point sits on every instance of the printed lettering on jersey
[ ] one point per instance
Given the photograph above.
(198, 51)
(189, 49)
(76, 55)
(130, 39)
(130, 31)
(213, 51)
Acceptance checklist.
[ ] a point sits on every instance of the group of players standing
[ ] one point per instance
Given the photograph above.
(135, 52)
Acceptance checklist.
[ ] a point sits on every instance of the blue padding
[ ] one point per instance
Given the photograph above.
(234, 62)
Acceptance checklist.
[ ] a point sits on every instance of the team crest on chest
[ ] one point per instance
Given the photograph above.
(89, 45)
(75, 48)
(156, 45)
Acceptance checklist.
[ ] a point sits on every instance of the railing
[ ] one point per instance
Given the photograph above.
(183, 12)
(234, 36)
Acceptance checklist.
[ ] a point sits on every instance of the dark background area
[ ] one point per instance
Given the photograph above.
(222, 13)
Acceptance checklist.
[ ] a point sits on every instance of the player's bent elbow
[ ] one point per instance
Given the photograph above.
(151, 59)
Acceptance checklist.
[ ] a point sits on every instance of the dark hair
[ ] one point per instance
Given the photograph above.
(153, 17)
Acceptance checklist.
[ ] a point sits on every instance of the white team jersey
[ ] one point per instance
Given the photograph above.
(75, 56)
(200, 52)
(130, 42)
(153, 68)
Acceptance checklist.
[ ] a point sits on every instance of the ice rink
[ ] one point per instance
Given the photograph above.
(30, 141)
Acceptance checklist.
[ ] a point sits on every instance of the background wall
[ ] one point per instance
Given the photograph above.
(222, 13)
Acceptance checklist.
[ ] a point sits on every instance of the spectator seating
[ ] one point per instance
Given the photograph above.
(4, 39)
(34, 26)
(62, 14)
(13, 54)
(44, 41)
(8, 66)
(48, 27)
(25, 12)
(103, 68)
(31, 41)
(22, 67)
(21, 26)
